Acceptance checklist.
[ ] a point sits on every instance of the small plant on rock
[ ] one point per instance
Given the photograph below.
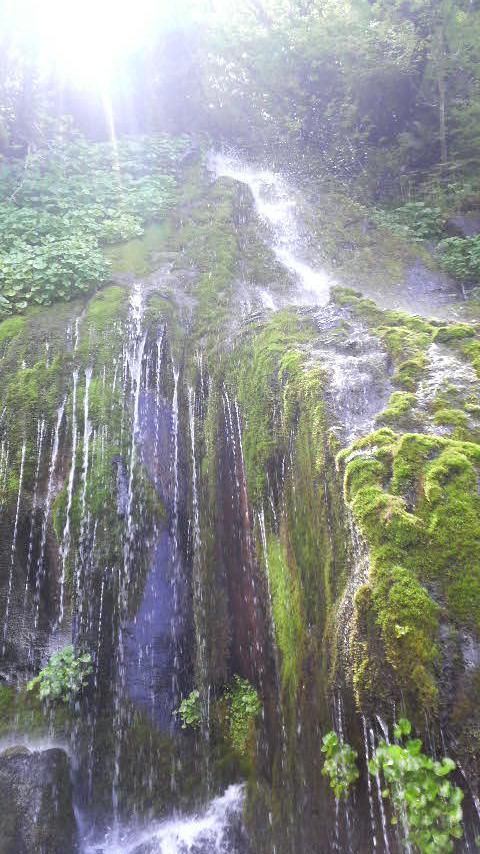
(243, 707)
(421, 794)
(64, 676)
(190, 710)
(340, 764)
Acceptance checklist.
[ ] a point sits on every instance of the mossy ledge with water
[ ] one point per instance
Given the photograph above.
(281, 489)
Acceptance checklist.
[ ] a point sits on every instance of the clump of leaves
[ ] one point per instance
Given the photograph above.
(420, 791)
(64, 676)
(243, 708)
(66, 201)
(415, 220)
(190, 710)
(461, 257)
(340, 764)
(56, 269)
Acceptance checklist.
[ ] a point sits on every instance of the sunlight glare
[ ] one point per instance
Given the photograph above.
(83, 40)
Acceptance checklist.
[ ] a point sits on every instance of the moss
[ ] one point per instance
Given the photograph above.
(408, 619)
(7, 703)
(138, 256)
(399, 409)
(451, 418)
(410, 372)
(472, 352)
(360, 472)
(287, 615)
(59, 512)
(11, 327)
(268, 373)
(37, 390)
(105, 307)
(453, 332)
(415, 498)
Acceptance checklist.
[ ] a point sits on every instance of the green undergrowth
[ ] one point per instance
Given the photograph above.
(415, 499)
(64, 203)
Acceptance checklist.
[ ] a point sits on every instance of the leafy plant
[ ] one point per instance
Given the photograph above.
(243, 707)
(67, 201)
(420, 791)
(340, 764)
(64, 676)
(461, 257)
(190, 710)
(415, 220)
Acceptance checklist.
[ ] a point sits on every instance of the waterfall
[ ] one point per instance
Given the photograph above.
(14, 546)
(373, 823)
(275, 204)
(217, 829)
(46, 513)
(3, 470)
(381, 805)
(83, 546)
(65, 546)
(41, 427)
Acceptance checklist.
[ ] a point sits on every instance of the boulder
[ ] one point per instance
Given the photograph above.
(464, 225)
(37, 814)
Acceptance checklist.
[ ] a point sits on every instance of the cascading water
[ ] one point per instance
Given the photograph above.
(275, 203)
(215, 830)
(134, 498)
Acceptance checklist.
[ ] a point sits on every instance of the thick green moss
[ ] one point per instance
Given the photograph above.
(287, 615)
(410, 372)
(140, 255)
(399, 409)
(472, 351)
(416, 501)
(453, 332)
(270, 377)
(11, 327)
(451, 418)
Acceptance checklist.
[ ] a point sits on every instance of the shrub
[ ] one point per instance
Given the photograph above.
(461, 257)
(55, 269)
(420, 791)
(415, 220)
(64, 676)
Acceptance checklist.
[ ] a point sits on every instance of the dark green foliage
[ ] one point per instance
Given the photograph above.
(69, 200)
(420, 789)
(190, 710)
(426, 804)
(461, 257)
(414, 221)
(340, 764)
(64, 676)
(56, 269)
(244, 706)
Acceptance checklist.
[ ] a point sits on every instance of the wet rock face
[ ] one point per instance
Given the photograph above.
(36, 796)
